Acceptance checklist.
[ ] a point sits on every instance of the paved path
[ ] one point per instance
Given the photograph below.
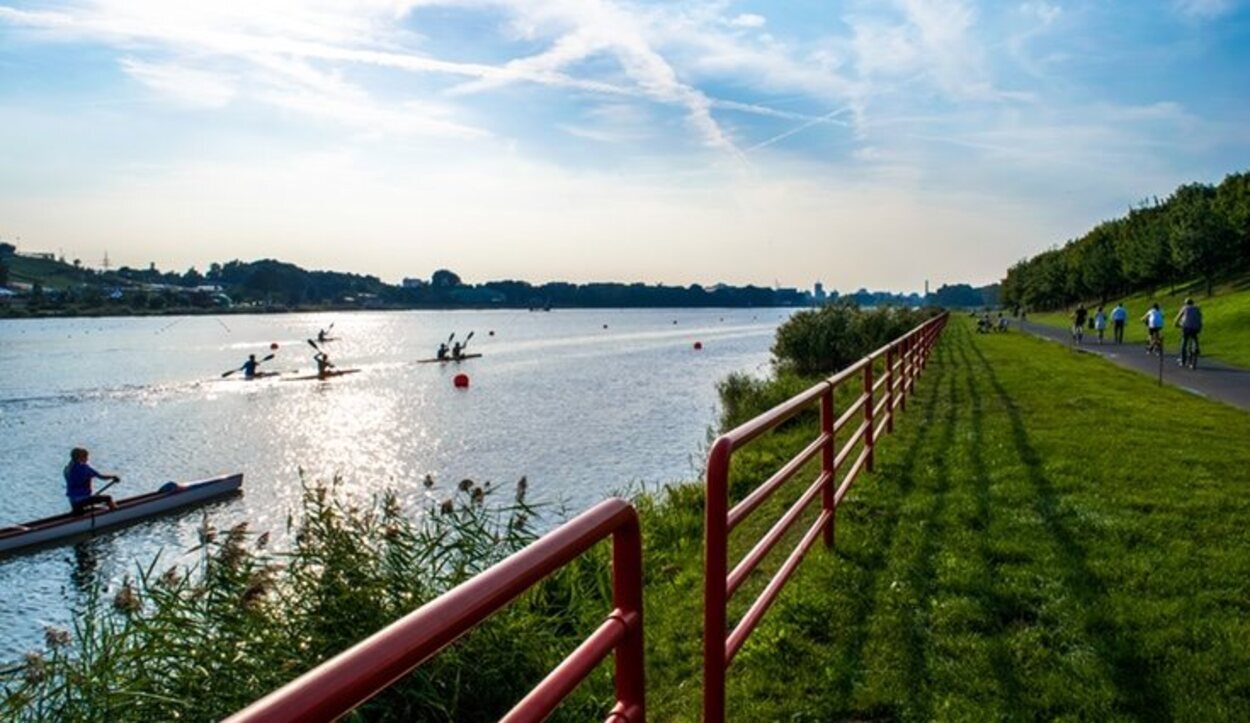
(1211, 379)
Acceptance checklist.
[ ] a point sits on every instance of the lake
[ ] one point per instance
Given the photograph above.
(581, 402)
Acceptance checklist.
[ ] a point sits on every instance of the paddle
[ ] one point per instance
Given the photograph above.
(466, 342)
(105, 487)
(232, 371)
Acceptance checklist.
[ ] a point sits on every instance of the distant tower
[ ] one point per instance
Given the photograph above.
(818, 293)
(105, 263)
(926, 288)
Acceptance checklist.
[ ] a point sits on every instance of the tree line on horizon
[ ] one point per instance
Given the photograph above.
(1198, 233)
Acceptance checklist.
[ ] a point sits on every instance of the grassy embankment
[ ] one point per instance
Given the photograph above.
(1046, 536)
(1225, 318)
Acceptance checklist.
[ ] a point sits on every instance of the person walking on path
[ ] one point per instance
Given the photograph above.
(1078, 323)
(1100, 323)
(1154, 326)
(1119, 315)
(1189, 319)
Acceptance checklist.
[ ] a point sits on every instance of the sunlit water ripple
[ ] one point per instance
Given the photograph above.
(581, 410)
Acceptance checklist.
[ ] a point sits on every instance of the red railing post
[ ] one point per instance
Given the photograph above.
(631, 685)
(902, 387)
(868, 441)
(913, 370)
(715, 586)
(889, 388)
(826, 462)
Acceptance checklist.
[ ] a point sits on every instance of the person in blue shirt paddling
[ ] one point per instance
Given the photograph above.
(249, 366)
(78, 476)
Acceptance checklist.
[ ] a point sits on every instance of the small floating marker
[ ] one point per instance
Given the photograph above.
(605, 326)
(674, 321)
(460, 381)
(698, 345)
(273, 346)
(491, 332)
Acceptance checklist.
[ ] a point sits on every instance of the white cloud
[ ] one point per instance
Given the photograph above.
(188, 86)
(748, 20)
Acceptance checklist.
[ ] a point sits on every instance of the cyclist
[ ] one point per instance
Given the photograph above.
(1189, 319)
(1078, 322)
(1154, 324)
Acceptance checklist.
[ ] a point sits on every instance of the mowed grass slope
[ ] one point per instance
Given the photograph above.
(1225, 317)
(1046, 536)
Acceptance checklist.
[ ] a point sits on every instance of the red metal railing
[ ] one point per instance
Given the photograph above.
(902, 361)
(337, 686)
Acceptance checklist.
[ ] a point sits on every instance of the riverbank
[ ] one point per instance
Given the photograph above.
(1046, 536)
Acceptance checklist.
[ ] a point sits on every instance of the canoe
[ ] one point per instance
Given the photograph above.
(64, 527)
(327, 375)
(436, 360)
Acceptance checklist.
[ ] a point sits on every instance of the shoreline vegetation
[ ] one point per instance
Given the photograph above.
(1003, 561)
(40, 285)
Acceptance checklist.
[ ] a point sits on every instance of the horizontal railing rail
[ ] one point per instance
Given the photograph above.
(339, 685)
(901, 362)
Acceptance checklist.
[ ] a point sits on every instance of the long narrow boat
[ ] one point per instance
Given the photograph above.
(323, 377)
(130, 509)
(460, 358)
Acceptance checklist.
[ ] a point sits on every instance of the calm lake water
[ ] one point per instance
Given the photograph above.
(580, 409)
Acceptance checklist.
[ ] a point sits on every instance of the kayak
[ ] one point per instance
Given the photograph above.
(259, 375)
(130, 509)
(327, 375)
(436, 360)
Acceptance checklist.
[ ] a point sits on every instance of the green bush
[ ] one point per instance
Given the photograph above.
(825, 340)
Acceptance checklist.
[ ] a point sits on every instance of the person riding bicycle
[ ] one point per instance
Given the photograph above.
(1154, 324)
(1189, 319)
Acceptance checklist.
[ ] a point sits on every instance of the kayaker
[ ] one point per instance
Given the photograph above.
(442, 352)
(324, 365)
(322, 336)
(249, 367)
(455, 350)
(78, 476)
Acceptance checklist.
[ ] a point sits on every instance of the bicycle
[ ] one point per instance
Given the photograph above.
(1155, 344)
(1189, 356)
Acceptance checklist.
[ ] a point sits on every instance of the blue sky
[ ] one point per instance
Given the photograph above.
(862, 143)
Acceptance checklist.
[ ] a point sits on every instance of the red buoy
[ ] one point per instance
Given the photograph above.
(698, 345)
(461, 381)
(273, 346)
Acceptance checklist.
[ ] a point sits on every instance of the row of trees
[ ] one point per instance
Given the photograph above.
(1199, 232)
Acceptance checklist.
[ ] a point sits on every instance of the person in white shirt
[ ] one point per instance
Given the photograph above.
(1154, 325)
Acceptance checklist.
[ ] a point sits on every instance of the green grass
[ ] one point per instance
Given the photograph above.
(1225, 316)
(1046, 536)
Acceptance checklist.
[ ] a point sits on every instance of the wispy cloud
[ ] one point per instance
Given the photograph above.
(195, 88)
(1203, 9)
